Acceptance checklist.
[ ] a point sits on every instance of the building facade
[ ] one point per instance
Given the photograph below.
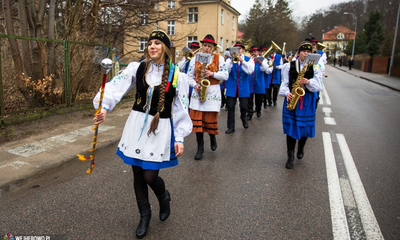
(336, 40)
(215, 17)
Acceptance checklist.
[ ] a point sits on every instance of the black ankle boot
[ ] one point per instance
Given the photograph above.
(300, 151)
(165, 210)
(289, 163)
(213, 141)
(145, 216)
(200, 150)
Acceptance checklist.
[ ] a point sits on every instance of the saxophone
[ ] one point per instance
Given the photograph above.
(297, 90)
(204, 83)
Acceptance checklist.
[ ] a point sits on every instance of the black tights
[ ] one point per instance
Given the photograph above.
(142, 178)
(291, 142)
(200, 137)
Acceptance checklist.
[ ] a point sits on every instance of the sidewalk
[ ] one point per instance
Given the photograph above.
(381, 79)
(20, 160)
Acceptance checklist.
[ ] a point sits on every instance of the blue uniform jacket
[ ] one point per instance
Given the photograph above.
(257, 81)
(238, 79)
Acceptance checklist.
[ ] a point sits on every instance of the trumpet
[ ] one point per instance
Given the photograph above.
(271, 49)
(188, 53)
(235, 54)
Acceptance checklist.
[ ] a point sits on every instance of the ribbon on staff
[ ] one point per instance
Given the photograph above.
(107, 65)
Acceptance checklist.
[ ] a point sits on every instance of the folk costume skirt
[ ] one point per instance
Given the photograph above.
(300, 122)
(152, 152)
(204, 121)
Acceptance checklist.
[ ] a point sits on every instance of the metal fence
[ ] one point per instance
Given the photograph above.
(55, 73)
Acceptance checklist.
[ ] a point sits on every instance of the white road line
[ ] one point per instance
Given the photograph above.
(328, 100)
(340, 228)
(328, 119)
(370, 225)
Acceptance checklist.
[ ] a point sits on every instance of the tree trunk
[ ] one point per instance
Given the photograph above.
(14, 49)
(50, 35)
(25, 46)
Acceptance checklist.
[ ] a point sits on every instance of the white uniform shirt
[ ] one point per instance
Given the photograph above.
(213, 99)
(315, 84)
(135, 142)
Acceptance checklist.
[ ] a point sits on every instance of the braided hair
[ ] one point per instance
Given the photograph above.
(165, 58)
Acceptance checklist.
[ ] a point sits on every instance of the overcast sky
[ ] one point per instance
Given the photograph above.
(300, 8)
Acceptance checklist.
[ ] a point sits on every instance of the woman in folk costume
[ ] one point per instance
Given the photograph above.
(299, 124)
(153, 135)
(205, 114)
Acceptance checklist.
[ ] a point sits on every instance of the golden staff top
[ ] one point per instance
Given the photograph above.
(106, 63)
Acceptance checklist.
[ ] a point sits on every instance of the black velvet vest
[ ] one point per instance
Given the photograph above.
(141, 95)
(293, 74)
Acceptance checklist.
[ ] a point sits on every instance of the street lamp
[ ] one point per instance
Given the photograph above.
(355, 32)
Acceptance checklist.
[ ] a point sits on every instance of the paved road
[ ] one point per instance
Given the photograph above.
(346, 187)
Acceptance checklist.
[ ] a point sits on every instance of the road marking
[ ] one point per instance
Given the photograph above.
(338, 214)
(370, 225)
(328, 100)
(328, 119)
(31, 149)
(14, 165)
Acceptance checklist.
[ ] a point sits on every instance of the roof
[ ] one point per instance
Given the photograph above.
(240, 34)
(332, 35)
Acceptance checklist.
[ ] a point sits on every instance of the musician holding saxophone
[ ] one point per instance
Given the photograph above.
(205, 102)
(299, 123)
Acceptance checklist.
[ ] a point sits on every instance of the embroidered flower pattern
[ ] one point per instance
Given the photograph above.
(185, 100)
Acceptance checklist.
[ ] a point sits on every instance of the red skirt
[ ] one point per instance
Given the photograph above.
(204, 121)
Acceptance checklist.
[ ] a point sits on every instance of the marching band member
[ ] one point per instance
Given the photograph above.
(299, 124)
(257, 83)
(275, 80)
(237, 86)
(267, 79)
(223, 84)
(204, 115)
(153, 135)
(184, 63)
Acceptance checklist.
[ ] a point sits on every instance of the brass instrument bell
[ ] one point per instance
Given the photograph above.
(235, 51)
(271, 49)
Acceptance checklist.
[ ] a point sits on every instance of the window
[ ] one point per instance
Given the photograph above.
(344, 45)
(171, 4)
(144, 16)
(340, 36)
(222, 16)
(221, 44)
(191, 39)
(233, 43)
(227, 44)
(171, 28)
(192, 14)
(233, 23)
(142, 44)
(156, 6)
(156, 26)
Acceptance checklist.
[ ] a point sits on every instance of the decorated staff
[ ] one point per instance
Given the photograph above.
(107, 65)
